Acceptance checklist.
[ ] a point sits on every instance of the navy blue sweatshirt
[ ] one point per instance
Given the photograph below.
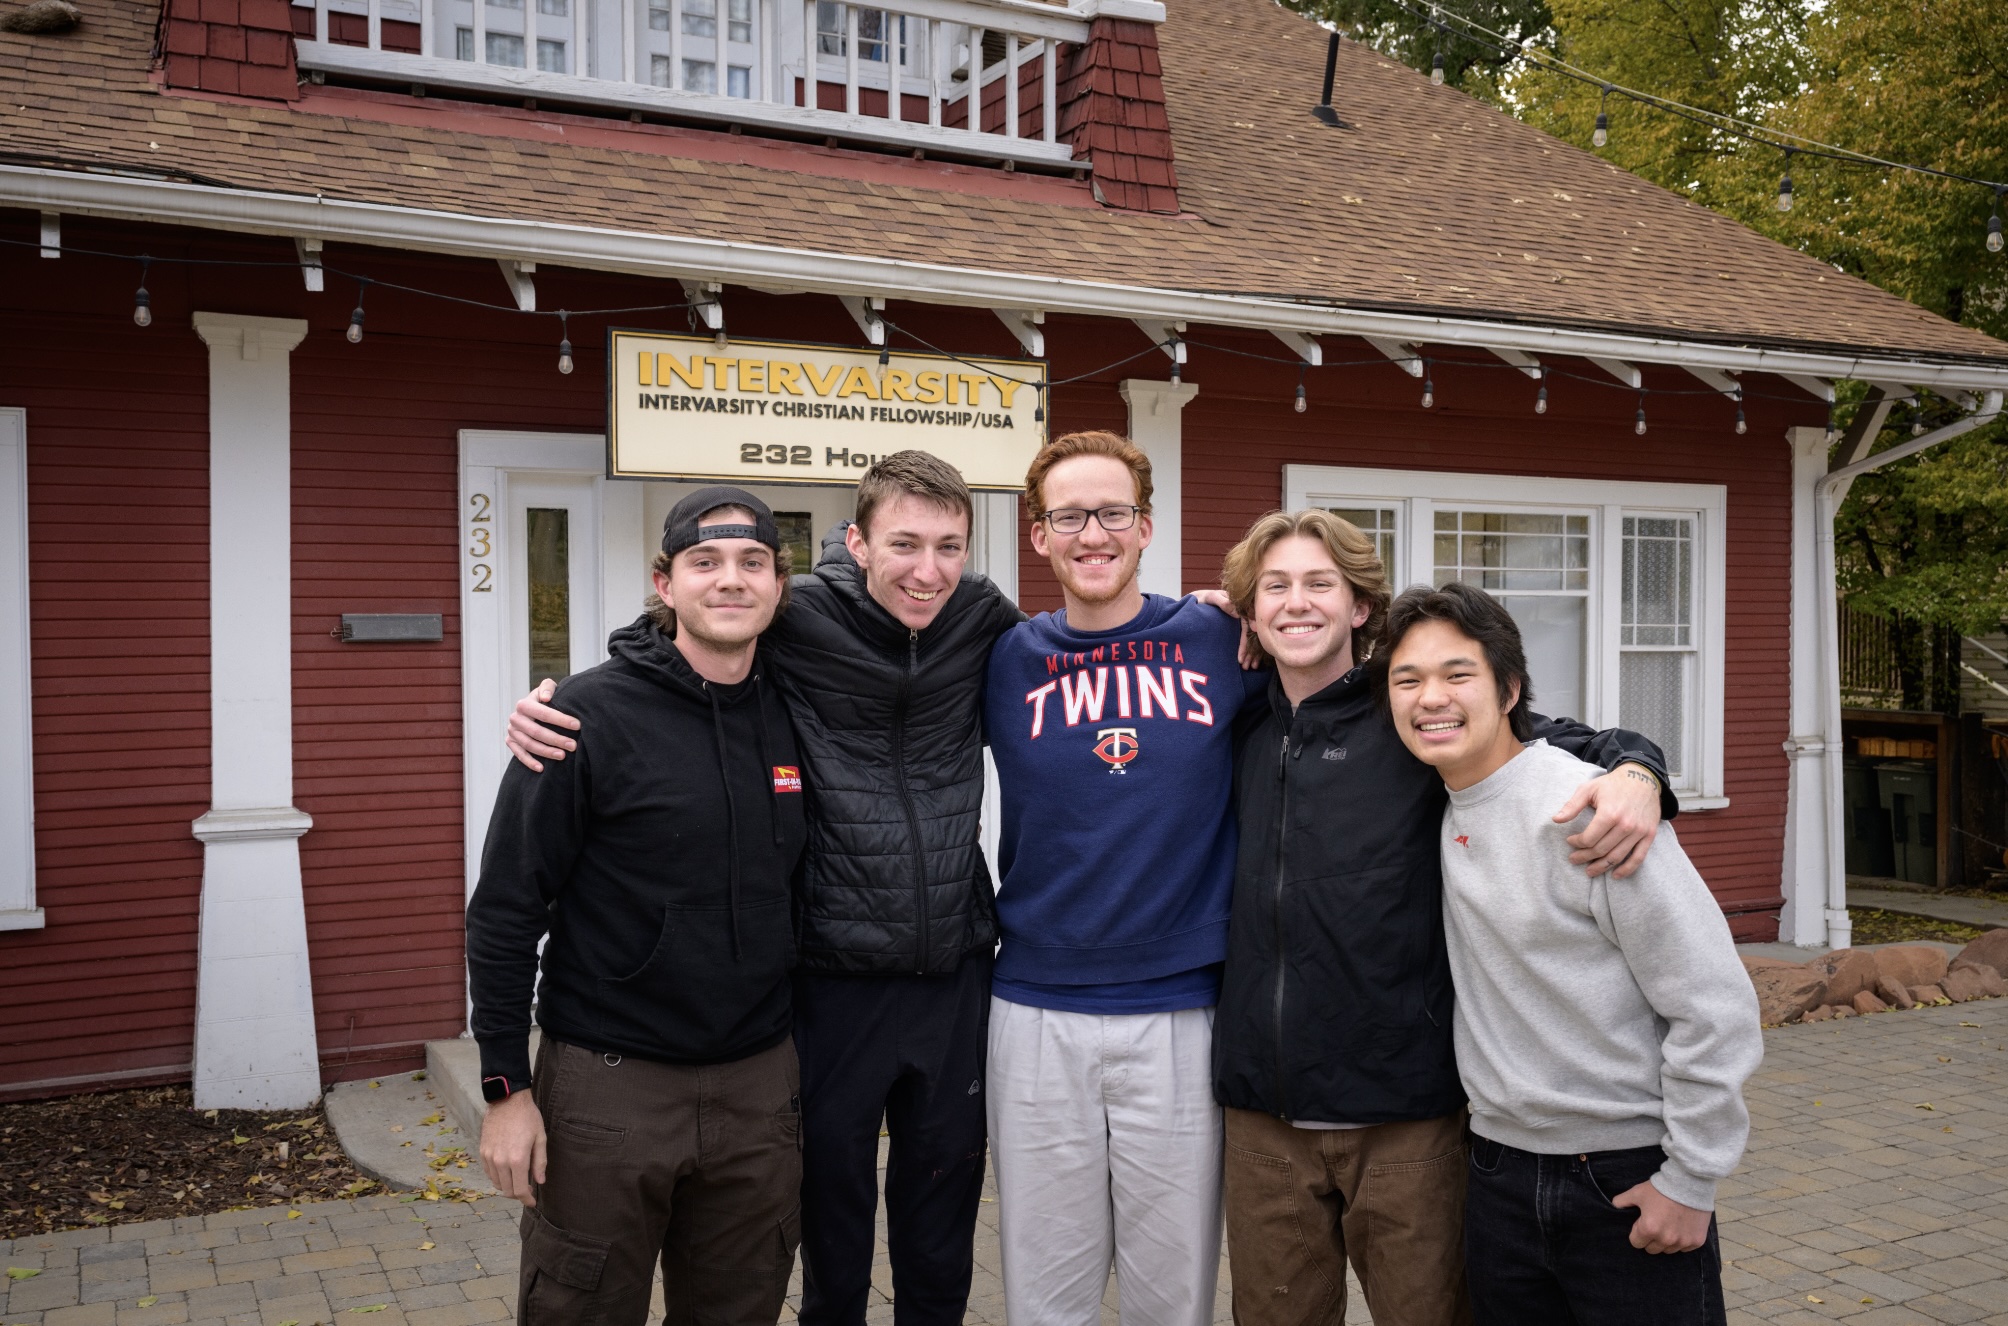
(1115, 754)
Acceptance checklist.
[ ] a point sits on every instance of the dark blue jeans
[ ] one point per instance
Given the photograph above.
(1543, 1246)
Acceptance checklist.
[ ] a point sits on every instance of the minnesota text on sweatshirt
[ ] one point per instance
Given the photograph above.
(1592, 1015)
(1114, 754)
(661, 858)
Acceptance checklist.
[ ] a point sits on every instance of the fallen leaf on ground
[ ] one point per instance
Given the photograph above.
(22, 1273)
(374, 1307)
(149, 1300)
(427, 1246)
(1925, 1105)
(292, 1215)
(1814, 1298)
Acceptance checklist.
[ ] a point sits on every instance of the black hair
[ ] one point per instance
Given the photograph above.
(1478, 616)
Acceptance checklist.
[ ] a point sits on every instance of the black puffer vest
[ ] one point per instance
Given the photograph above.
(891, 731)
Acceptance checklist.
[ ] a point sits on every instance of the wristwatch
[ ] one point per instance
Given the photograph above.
(501, 1087)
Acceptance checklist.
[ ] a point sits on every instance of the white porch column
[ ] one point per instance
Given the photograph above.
(1812, 808)
(1156, 425)
(254, 1003)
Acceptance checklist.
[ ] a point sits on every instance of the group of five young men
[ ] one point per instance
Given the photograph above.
(769, 930)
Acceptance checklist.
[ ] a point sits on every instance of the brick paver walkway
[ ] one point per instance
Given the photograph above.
(1873, 1191)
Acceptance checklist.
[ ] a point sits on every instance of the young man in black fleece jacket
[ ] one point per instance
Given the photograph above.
(1332, 1043)
(661, 860)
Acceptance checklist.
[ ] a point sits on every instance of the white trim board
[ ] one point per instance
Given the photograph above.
(1414, 493)
(789, 270)
(17, 755)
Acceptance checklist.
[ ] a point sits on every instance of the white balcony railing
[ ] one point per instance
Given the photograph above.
(970, 78)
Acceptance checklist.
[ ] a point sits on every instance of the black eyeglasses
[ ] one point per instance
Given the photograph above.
(1074, 519)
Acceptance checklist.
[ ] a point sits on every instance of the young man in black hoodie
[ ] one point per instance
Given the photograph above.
(1332, 1042)
(660, 859)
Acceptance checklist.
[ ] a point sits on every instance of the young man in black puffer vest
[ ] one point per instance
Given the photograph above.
(881, 657)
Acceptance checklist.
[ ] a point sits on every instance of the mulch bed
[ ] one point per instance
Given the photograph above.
(148, 1154)
(1874, 926)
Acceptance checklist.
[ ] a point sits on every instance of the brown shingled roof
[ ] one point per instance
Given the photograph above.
(1432, 203)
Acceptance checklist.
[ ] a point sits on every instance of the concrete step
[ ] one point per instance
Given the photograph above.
(454, 1069)
(394, 1128)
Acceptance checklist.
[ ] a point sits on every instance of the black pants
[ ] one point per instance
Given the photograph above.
(1543, 1246)
(908, 1050)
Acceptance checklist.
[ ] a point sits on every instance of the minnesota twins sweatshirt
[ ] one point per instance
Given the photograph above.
(1592, 1014)
(1115, 760)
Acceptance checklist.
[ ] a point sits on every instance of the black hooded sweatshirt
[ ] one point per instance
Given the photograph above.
(660, 857)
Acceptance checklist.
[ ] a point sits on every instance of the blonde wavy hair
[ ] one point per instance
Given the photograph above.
(1352, 552)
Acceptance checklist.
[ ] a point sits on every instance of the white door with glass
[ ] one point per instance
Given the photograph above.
(1617, 588)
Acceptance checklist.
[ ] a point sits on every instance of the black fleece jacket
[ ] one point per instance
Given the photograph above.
(660, 857)
(1335, 1004)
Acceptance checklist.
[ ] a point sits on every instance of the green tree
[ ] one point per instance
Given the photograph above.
(1924, 542)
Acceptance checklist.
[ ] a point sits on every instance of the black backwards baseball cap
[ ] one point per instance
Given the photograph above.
(681, 529)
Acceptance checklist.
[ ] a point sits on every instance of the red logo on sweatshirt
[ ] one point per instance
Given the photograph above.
(787, 778)
(1462, 840)
(1117, 747)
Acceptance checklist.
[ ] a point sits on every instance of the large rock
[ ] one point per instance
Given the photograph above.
(1785, 992)
(1970, 980)
(1927, 994)
(1990, 950)
(1866, 1002)
(1893, 994)
(1911, 964)
(1848, 972)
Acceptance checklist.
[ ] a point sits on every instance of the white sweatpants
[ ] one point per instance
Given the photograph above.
(1106, 1145)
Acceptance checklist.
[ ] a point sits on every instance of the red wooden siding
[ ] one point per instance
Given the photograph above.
(118, 477)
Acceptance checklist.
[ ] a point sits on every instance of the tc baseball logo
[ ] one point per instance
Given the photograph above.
(1117, 747)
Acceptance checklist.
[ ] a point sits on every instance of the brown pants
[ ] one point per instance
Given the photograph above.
(1301, 1202)
(698, 1167)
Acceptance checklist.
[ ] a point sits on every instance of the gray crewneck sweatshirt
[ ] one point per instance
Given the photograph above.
(1592, 1015)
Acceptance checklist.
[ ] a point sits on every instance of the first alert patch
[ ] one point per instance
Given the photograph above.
(787, 778)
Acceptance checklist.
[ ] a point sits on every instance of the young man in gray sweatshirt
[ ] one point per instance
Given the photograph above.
(1604, 1028)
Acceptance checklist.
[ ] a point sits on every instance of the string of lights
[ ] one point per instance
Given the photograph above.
(1174, 345)
(1788, 144)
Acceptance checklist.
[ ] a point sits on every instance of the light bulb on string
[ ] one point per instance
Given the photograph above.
(1741, 426)
(355, 331)
(142, 303)
(720, 341)
(1541, 396)
(1301, 403)
(1638, 425)
(1603, 131)
(564, 342)
(1436, 70)
(1785, 185)
(1994, 224)
(1830, 423)
(1428, 391)
(885, 357)
(1039, 408)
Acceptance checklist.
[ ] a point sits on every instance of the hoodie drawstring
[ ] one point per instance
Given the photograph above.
(731, 811)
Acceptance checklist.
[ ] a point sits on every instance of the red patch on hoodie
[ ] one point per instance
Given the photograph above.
(787, 778)
(1462, 840)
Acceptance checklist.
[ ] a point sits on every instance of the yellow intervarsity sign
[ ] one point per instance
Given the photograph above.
(783, 412)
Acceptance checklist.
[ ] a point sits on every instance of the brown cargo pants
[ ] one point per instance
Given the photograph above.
(698, 1167)
(1301, 1202)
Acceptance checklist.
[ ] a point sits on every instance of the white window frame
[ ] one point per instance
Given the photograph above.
(17, 754)
(1415, 494)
